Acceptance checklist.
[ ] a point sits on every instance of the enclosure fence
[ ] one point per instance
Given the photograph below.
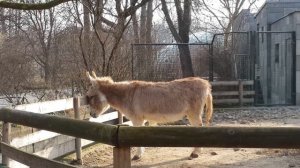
(226, 57)
(267, 57)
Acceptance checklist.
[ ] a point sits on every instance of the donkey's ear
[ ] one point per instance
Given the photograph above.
(91, 79)
(94, 75)
(89, 76)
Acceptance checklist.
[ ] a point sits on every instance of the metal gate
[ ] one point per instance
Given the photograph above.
(231, 58)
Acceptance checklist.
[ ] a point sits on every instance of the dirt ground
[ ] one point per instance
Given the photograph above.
(101, 155)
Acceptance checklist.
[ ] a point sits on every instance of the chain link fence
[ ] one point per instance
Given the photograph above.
(160, 62)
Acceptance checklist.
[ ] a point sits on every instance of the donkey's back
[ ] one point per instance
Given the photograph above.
(170, 101)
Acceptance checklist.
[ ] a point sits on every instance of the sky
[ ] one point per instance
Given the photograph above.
(203, 21)
(159, 16)
(258, 5)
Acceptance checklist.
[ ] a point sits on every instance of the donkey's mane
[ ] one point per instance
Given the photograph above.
(106, 79)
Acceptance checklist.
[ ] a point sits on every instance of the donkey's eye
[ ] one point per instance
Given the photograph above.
(93, 98)
(90, 99)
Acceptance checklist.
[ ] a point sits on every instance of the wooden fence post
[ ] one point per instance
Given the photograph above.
(6, 129)
(76, 105)
(120, 118)
(241, 92)
(122, 157)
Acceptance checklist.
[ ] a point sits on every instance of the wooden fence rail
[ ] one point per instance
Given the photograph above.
(124, 137)
(174, 136)
(50, 144)
(246, 137)
(31, 160)
(78, 128)
(233, 96)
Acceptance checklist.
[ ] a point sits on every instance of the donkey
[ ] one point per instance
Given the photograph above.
(156, 102)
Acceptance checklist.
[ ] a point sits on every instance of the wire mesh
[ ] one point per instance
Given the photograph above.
(231, 58)
(160, 62)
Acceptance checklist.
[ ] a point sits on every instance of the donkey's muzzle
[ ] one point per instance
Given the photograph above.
(94, 115)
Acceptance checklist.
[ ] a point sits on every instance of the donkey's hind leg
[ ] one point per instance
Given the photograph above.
(195, 120)
(140, 150)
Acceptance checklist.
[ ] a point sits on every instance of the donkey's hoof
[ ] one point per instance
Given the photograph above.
(193, 155)
(136, 157)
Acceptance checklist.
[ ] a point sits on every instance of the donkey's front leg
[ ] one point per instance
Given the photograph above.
(140, 150)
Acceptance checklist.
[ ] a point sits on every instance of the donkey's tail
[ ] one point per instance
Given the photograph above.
(209, 108)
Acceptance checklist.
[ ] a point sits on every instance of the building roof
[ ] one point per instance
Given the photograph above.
(274, 2)
(286, 16)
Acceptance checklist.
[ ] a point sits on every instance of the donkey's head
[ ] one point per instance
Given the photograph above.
(96, 99)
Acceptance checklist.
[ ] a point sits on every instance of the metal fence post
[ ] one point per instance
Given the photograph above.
(211, 64)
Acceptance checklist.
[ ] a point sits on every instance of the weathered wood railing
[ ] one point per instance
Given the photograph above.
(38, 142)
(30, 159)
(234, 92)
(124, 137)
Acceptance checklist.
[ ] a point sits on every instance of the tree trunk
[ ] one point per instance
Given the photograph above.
(3, 25)
(148, 40)
(17, 22)
(136, 35)
(185, 61)
(86, 17)
(182, 34)
(47, 72)
(226, 36)
(140, 49)
(86, 33)
(143, 24)
(99, 12)
(135, 29)
(148, 37)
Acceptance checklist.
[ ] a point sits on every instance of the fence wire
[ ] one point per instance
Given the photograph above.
(160, 62)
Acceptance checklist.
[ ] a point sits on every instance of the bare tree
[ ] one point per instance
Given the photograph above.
(15, 70)
(143, 35)
(225, 14)
(181, 32)
(102, 44)
(40, 28)
(107, 32)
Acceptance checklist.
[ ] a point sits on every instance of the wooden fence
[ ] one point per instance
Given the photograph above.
(233, 92)
(51, 144)
(124, 137)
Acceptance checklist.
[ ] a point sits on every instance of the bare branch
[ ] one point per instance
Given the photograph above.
(213, 13)
(169, 21)
(31, 6)
(132, 9)
(179, 10)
